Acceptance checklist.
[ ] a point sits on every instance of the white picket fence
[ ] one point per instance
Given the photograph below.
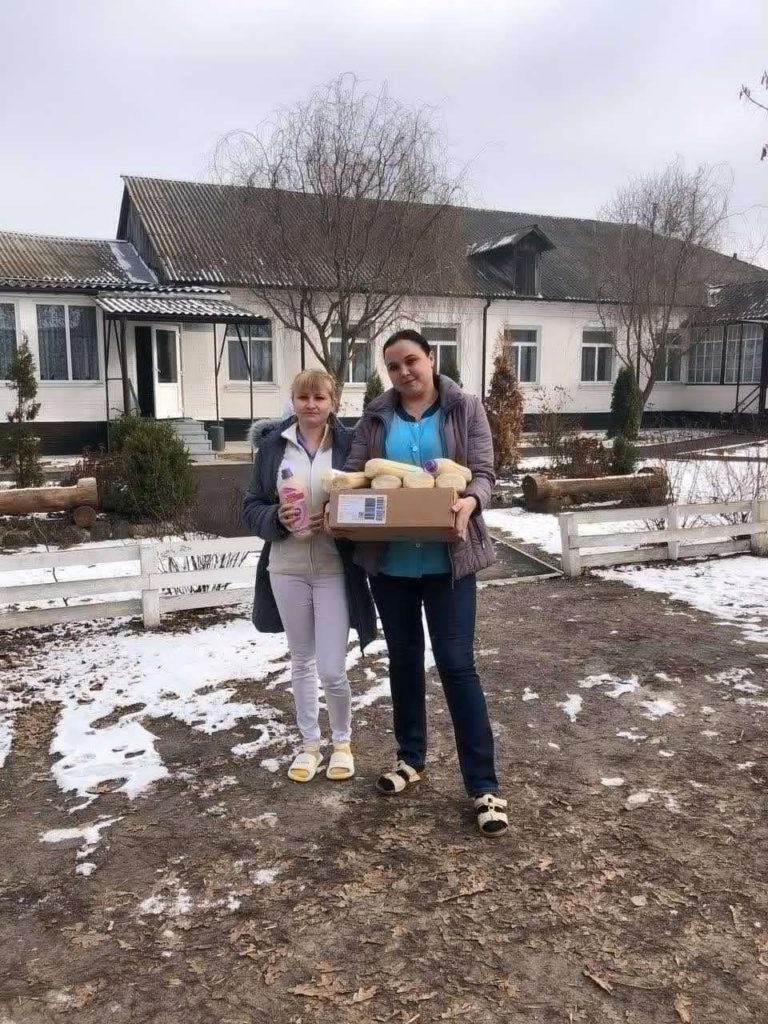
(150, 591)
(669, 536)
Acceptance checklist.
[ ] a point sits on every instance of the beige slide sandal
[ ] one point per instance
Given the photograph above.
(304, 766)
(341, 765)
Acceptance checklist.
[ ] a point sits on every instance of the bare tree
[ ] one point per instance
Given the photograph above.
(653, 271)
(746, 93)
(346, 209)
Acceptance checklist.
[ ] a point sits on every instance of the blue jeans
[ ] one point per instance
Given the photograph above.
(450, 613)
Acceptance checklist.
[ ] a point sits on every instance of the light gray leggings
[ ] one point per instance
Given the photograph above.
(316, 619)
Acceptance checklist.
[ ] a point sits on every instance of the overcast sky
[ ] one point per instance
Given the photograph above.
(552, 103)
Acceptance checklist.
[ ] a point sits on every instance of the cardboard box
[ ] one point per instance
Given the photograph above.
(403, 514)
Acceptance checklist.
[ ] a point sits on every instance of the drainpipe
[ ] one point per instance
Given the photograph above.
(488, 301)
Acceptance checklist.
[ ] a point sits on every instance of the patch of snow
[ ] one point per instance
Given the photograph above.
(612, 781)
(90, 836)
(264, 876)
(555, 746)
(659, 707)
(632, 734)
(709, 733)
(381, 690)
(619, 686)
(572, 706)
(110, 684)
(180, 903)
(734, 589)
(707, 710)
(746, 765)
(529, 694)
(645, 796)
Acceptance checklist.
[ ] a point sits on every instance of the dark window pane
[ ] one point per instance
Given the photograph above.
(520, 335)
(238, 354)
(604, 363)
(167, 370)
(525, 273)
(527, 372)
(7, 337)
(435, 334)
(83, 343)
(597, 338)
(447, 356)
(261, 359)
(674, 363)
(359, 370)
(588, 354)
(52, 342)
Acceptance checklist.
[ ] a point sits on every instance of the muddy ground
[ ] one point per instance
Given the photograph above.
(275, 903)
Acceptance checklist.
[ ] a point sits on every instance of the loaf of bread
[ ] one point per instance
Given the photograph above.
(418, 480)
(438, 466)
(337, 480)
(454, 480)
(375, 467)
(386, 482)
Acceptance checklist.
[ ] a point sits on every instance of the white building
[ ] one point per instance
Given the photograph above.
(167, 320)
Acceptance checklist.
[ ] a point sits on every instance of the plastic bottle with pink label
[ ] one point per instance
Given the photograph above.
(291, 492)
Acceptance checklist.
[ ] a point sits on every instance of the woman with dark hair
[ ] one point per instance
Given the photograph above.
(425, 416)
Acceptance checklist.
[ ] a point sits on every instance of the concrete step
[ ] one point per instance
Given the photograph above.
(193, 436)
(198, 447)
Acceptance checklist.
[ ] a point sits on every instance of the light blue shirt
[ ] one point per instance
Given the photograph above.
(415, 441)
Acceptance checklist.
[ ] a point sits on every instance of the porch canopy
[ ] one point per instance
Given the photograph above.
(731, 307)
(178, 306)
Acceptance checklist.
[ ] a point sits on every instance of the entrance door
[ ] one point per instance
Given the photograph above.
(167, 378)
(158, 382)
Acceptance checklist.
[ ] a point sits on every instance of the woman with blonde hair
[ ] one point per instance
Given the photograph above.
(306, 583)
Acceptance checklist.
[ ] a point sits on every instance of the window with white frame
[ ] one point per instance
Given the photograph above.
(67, 342)
(669, 358)
(253, 345)
(596, 357)
(751, 353)
(7, 337)
(706, 356)
(360, 364)
(522, 344)
(444, 342)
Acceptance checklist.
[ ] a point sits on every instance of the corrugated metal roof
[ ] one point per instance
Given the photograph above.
(50, 262)
(747, 301)
(222, 234)
(176, 306)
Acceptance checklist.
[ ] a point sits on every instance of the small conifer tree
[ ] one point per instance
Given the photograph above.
(504, 406)
(373, 388)
(626, 405)
(450, 369)
(20, 447)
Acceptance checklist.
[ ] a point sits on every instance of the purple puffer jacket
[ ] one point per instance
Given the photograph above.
(466, 439)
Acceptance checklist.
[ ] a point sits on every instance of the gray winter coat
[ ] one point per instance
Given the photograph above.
(260, 508)
(466, 439)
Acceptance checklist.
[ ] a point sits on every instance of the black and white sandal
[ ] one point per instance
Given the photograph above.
(394, 782)
(491, 815)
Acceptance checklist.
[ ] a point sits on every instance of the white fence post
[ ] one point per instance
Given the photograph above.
(569, 554)
(673, 523)
(759, 541)
(150, 594)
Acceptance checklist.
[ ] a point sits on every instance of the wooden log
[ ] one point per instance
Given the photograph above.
(17, 501)
(84, 516)
(538, 489)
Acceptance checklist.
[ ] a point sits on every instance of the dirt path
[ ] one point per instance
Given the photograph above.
(229, 895)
